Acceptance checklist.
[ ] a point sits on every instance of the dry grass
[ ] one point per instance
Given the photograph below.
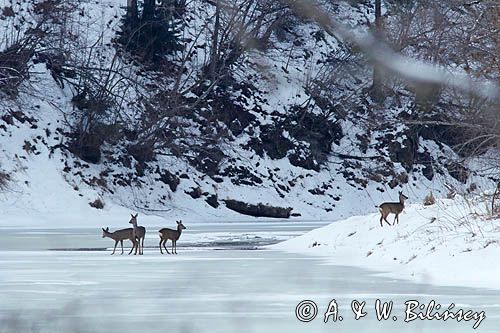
(5, 178)
(429, 199)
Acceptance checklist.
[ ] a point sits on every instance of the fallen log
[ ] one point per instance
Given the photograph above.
(258, 210)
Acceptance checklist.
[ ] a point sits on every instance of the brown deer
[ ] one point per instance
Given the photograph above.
(120, 236)
(139, 232)
(392, 208)
(166, 234)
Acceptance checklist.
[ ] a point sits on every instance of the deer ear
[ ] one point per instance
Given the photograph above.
(136, 215)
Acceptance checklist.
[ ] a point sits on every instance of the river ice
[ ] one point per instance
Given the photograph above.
(221, 281)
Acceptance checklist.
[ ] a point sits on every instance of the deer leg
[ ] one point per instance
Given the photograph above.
(385, 219)
(138, 240)
(116, 243)
(121, 243)
(173, 242)
(381, 217)
(142, 245)
(165, 246)
(133, 245)
(175, 246)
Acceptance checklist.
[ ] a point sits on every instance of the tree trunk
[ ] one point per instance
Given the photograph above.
(214, 55)
(377, 87)
(149, 10)
(132, 9)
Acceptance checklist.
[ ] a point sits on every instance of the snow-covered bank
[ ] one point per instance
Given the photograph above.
(449, 243)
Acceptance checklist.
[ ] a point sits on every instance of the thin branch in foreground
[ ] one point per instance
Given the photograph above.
(381, 53)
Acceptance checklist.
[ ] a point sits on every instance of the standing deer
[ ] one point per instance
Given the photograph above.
(392, 208)
(139, 233)
(120, 236)
(166, 234)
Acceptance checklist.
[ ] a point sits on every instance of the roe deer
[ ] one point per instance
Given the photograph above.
(119, 236)
(392, 208)
(139, 232)
(166, 234)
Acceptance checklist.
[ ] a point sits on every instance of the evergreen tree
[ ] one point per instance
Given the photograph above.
(155, 32)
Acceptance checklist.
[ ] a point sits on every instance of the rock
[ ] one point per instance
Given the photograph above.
(427, 161)
(170, 179)
(212, 200)
(88, 148)
(316, 191)
(241, 176)
(195, 193)
(142, 152)
(218, 179)
(304, 160)
(457, 171)
(208, 160)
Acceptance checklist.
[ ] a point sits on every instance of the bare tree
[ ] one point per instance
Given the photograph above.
(239, 26)
(405, 67)
(377, 69)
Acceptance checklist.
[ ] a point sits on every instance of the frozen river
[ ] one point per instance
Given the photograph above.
(221, 281)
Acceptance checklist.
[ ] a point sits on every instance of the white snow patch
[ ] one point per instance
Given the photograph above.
(449, 243)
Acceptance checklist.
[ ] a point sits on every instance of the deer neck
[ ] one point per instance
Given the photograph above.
(179, 230)
(111, 235)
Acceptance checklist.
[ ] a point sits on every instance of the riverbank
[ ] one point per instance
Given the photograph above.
(451, 243)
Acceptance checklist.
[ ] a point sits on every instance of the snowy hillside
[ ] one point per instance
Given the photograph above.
(285, 119)
(454, 242)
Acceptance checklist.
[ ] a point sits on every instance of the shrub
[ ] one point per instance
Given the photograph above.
(4, 179)
(429, 199)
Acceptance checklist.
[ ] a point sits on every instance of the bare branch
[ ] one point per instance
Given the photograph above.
(404, 67)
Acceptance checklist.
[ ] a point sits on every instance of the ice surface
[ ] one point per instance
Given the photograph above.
(234, 289)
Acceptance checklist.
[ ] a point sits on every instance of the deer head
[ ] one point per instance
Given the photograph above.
(180, 226)
(105, 232)
(133, 220)
(402, 197)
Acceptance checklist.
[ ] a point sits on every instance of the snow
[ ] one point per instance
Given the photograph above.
(43, 195)
(450, 243)
(457, 249)
(243, 290)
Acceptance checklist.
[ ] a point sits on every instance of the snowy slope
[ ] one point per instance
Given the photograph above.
(453, 242)
(52, 187)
